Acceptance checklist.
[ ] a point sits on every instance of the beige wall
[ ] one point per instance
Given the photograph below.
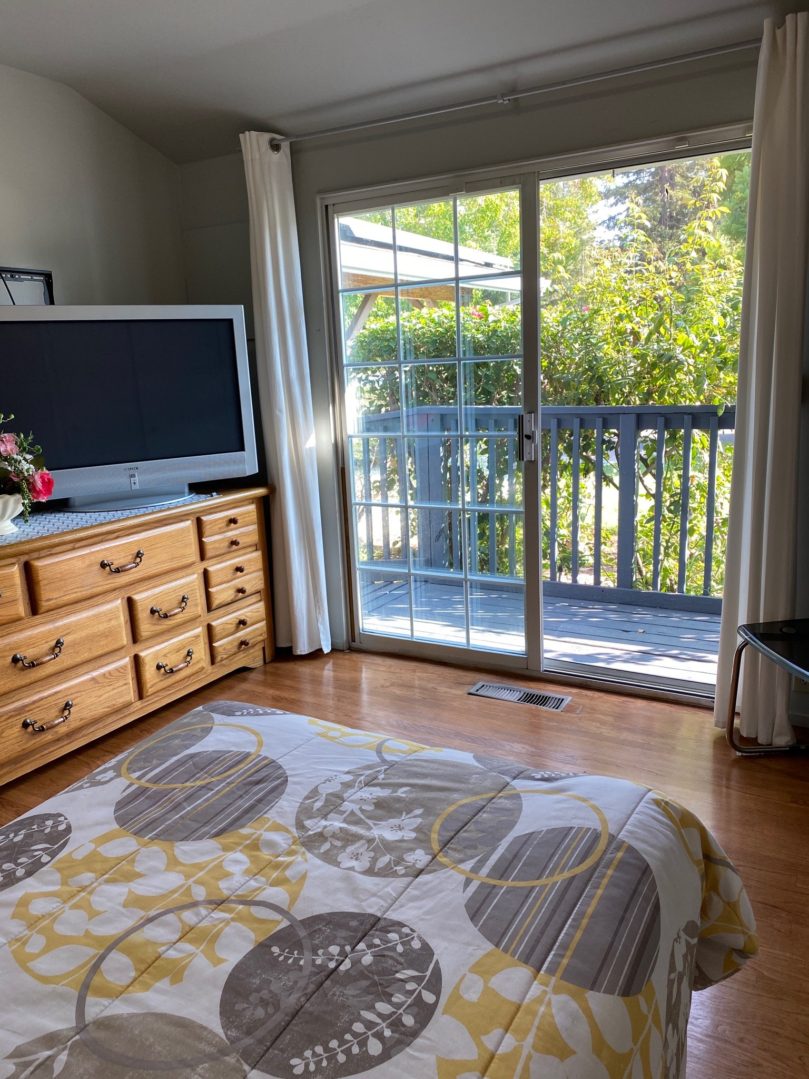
(82, 196)
(216, 243)
(215, 211)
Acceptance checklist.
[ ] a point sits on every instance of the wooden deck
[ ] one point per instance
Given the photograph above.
(653, 642)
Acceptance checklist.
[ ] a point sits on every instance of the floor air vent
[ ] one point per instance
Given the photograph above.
(554, 701)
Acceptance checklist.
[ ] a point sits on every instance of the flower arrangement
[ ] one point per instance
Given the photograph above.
(21, 468)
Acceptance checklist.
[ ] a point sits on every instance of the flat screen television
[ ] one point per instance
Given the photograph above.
(130, 404)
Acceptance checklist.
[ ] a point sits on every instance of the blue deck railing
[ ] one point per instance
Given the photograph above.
(591, 456)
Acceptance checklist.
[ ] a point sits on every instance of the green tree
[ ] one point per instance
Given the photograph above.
(641, 276)
(737, 191)
(649, 312)
(489, 222)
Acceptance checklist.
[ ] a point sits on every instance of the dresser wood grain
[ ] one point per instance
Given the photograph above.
(11, 593)
(101, 625)
(60, 579)
(37, 648)
(31, 730)
(179, 603)
(172, 662)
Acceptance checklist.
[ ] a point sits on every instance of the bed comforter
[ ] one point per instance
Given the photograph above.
(251, 892)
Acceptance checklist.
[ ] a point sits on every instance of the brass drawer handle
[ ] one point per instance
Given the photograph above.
(105, 563)
(37, 728)
(164, 667)
(160, 613)
(55, 653)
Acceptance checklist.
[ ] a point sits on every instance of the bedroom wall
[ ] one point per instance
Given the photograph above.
(215, 237)
(688, 96)
(82, 196)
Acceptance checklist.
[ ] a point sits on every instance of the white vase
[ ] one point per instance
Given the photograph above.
(10, 507)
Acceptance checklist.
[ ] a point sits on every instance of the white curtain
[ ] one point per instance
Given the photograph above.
(762, 548)
(287, 418)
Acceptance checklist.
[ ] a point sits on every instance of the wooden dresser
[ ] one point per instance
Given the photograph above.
(102, 624)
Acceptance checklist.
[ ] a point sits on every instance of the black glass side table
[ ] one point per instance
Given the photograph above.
(786, 644)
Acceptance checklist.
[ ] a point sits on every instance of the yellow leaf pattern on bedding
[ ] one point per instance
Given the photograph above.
(727, 937)
(104, 892)
(356, 739)
(522, 1025)
(432, 913)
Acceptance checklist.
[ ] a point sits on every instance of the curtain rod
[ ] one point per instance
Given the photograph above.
(277, 141)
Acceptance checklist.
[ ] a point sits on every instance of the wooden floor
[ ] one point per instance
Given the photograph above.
(754, 1025)
(654, 642)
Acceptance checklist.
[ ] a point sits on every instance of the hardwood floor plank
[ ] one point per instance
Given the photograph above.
(755, 1024)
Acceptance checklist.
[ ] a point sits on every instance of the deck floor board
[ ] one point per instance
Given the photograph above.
(656, 642)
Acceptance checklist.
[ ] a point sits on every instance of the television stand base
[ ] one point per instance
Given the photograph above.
(140, 499)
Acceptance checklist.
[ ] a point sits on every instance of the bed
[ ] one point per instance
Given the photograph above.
(251, 892)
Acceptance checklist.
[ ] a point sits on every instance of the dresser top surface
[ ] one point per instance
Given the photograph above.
(44, 529)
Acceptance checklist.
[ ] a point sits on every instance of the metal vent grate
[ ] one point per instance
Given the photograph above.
(553, 701)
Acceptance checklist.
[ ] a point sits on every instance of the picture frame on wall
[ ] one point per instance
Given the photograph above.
(19, 287)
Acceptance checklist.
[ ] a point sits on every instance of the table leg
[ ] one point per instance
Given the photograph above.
(730, 728)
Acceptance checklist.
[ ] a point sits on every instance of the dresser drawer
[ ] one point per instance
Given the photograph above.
(60, 579)
(233, 569)
(219, 524)
(31, 654)
(235, 622)
(239, 642)
(11, 605)
(158, 610)
(233, 591)
(166, 665)
(243, 539)
(63, 709)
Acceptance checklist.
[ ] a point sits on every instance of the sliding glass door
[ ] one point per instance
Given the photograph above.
(432, 341)
(463, 497)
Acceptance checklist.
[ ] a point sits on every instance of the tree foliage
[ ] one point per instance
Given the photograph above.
(645, 308)
(640, 280)
(488, 222)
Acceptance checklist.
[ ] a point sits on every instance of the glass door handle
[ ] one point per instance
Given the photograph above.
(527, 436)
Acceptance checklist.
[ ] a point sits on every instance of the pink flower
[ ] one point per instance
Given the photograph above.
(8, 445)
(41, 485)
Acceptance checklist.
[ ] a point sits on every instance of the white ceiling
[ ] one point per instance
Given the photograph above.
(188, 75)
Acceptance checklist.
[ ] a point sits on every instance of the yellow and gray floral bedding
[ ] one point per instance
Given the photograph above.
(251, 892)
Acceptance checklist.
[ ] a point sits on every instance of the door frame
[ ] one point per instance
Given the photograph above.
(526, 175)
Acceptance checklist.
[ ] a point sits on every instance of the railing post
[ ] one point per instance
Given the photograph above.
(685, 496)
(599, 481)
(710, 505)
(554, 477)
(627, 434)
(429, 551)
(575, 453)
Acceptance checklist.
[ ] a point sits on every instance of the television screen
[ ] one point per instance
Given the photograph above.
(110, 391)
